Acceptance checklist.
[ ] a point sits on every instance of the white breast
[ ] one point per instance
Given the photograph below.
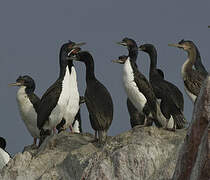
(183, 73)
(73, 103)
(27, 112)
(132, 91)
(59, 110)
(4, 158)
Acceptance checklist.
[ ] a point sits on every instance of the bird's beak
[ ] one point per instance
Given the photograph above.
(176, 45)
(121, 43)
(79, 45)
(15, 84)
(117, 61)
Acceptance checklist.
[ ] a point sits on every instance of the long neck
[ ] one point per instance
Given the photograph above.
(153, 65)
(90, 75)
(133, 53)
(70, 65)
(133, 65)
(191, 58)
(153, 59)
(63, 65)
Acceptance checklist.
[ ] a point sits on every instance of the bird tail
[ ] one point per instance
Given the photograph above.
(179, 120)
(102, 134)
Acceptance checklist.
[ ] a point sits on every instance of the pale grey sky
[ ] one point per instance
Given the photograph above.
(32, 32)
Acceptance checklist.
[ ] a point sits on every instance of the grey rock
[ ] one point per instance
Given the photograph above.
(141, 153)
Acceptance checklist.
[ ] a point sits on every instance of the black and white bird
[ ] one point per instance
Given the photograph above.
(4, 156)
(28, 103)
(77, 123)
(136, 117)
(97, 98)
(57, 99)
(139, 90)
(192, 78)
(72, 110)
(170, 98)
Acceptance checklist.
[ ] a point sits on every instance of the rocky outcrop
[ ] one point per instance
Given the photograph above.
(141, 153)
(194, 158)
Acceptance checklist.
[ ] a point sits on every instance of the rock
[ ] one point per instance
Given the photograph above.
(193, 162)
(141, 153)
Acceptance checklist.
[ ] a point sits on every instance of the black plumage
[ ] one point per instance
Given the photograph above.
(170, 97)
(2, 143)
(136, 118)
(97, 98)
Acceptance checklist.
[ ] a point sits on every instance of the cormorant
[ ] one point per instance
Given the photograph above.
(136, 117)
(97, 98)
(138, 89)
(28, 103)
(198, 63)
(169, 96)
(56, 99)
(192, 78)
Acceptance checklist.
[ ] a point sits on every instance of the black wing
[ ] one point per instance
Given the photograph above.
(163, 88)
(99, 104)
(146, 89)
(35, 100)
(176, 95)
(48, 102)
(136, 118)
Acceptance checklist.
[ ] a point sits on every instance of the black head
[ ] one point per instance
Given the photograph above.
(128, 42)
(2, 143)
(121, 59)
(68, 48)
(147, 48)
(83, 56)
(26, 81)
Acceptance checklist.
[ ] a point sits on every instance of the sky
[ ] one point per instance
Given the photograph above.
(32, 32)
